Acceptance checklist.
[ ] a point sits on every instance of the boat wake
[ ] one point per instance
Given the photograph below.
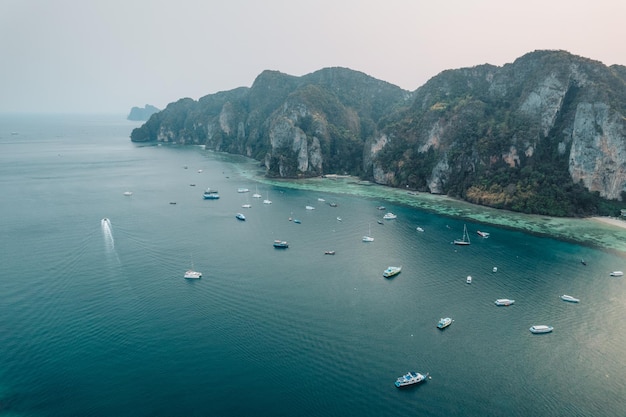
(107, 233)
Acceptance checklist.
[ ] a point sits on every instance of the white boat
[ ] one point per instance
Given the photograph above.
(482, 234)
(339, 219)
(541, 328)
(495, 269)
(410, 378)
(569, 298)
(267, 200)
(368, 238)
(240, 216)
(444, 322)
(210, 194)
(390, 216)
(617, 273)
(310, 208)
(242, 190)
(246, 205)
(419, 229)
(128, 193)
(465, 240)
(321, 199)
(191, 274)
(392, 271)
(468, 279)
(256, 194)
(504, 302)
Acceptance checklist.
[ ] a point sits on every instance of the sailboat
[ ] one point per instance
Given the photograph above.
(191, 274)
(256, 194)
(267, 200)
(465, 240)
(368, 238)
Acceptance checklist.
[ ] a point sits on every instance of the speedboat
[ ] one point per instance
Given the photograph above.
(240, 216)
(246, 205)
(468, 279)
(392, 271)
(211, 194)
(444, 322)
(569, 298)
(297, 221)
(410, 378)
(482, 234)
(281, 244)
(495, 269)
(242, 190)
(329, 252)
(541, 328)
(368, 239)
(339, 219)
(504, 302)
(191, 274)
(389, 216)
(128, 193)
(381, 208)
(333, 204)
(310, 208)
(419, 229)
(617, 273)
(321, 199)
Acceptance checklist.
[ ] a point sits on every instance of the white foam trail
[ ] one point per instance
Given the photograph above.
(107, 233)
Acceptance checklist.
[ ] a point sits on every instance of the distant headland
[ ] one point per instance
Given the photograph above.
(142, 114)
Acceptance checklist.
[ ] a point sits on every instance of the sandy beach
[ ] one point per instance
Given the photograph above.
(613, 221)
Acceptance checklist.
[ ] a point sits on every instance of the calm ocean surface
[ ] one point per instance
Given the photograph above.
(98, 321)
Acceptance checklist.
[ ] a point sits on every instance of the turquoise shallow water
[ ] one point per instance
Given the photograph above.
(98, 320)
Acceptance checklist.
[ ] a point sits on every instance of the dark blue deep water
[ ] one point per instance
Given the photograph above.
(98, 321)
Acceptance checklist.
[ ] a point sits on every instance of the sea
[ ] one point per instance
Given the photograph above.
(96, 318)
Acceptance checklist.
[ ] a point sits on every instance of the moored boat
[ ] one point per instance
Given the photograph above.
(329, 252)
(465, 240)
(392, 271)
(541, 328)
(242, 190)
(411, 378)
(468, 279)
(390, 216)
(617, 273)
(211, 194)
(504, 302)
(191, 274)
(240, 216)
(281, 244)
(569, 298)
(419, 229)
(482, 234)
(444, 322)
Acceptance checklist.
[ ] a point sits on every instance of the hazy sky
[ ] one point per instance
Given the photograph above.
(93, 56)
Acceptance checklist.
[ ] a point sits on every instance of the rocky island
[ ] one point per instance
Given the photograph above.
(545, 134)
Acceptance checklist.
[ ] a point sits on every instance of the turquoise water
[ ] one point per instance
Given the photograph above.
(98, 321)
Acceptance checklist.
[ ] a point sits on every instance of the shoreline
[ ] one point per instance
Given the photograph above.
(606, 233)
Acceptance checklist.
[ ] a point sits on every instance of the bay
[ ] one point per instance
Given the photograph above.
(98, 321)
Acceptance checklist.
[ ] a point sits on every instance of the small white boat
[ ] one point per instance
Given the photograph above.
(410, 378)
(240, 216)
(392, 271)
(242, 190)
(246, 205)
(419, 229)
(281, 244)
(199, 171)
(468, 279)
(309, 208)
(267, 201)
(504, 302)
(321, 199)
(444, 322)
(368, 237)
(339, 219)
(389, 216)
(495, 269)
(569, 298)
(128, 193)
(541, 328)
(329, 252)
(482, 234)
(191, 274)
(617, 273)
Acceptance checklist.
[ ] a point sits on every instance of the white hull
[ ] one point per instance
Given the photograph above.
(569, 298)
(542, 328)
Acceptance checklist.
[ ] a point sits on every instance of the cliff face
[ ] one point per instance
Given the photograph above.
(527, 136)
